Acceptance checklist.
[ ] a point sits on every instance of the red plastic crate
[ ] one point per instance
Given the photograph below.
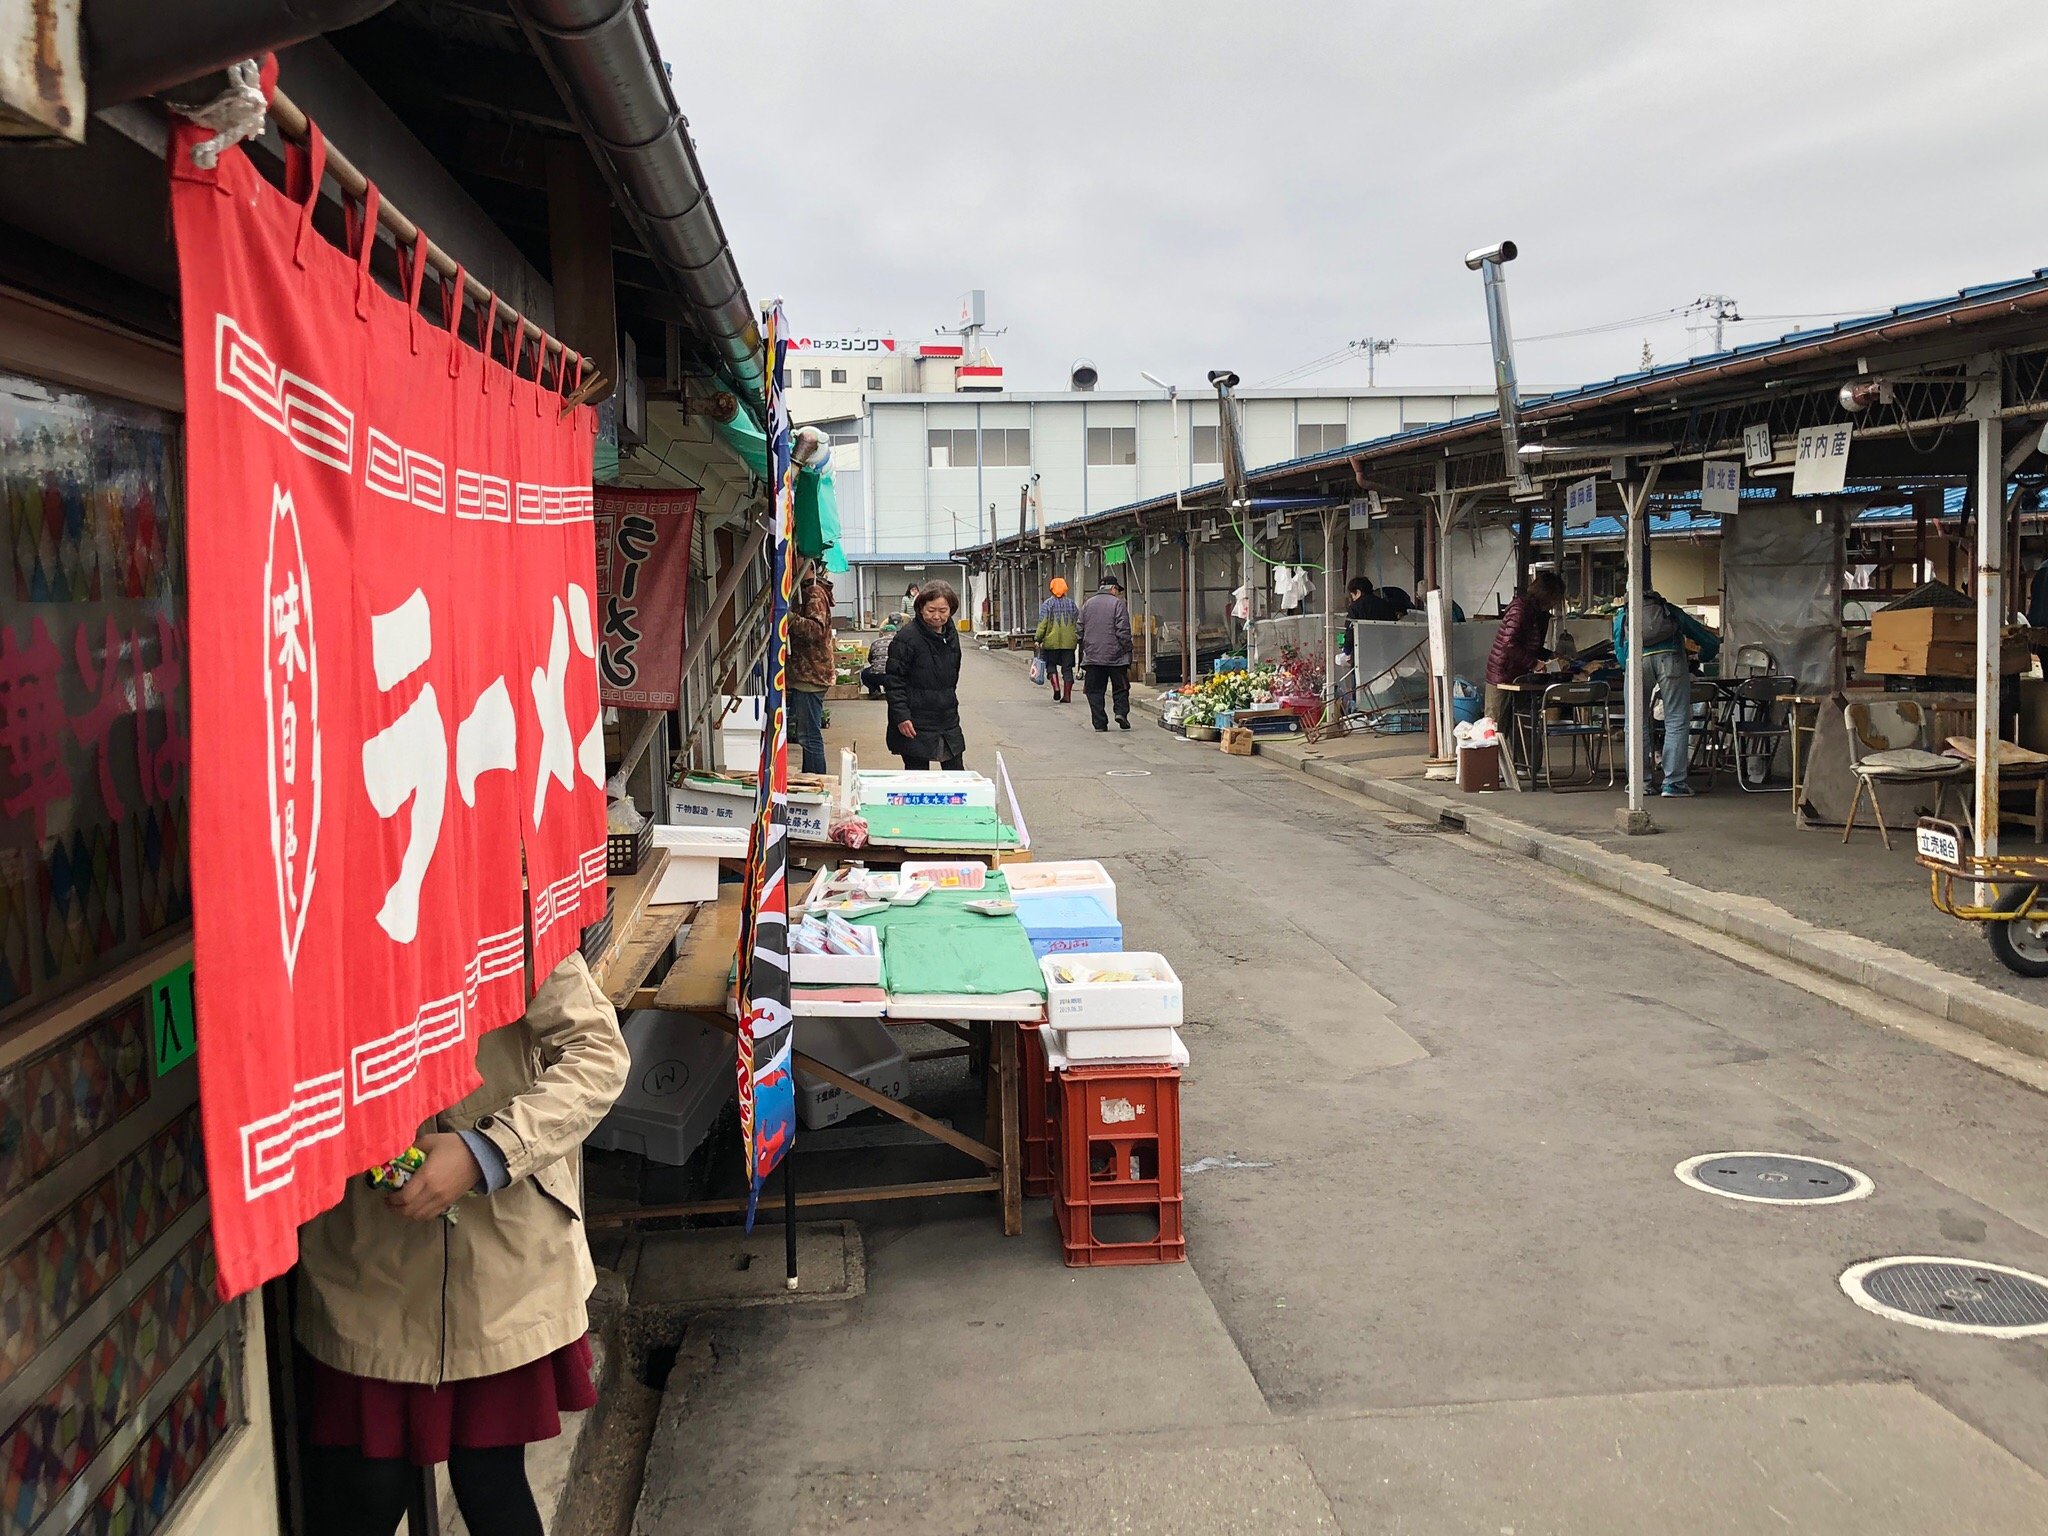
(1105, 1233)
(1116, 1134)
(1034, 1111)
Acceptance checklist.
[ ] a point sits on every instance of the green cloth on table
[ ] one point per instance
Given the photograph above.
(934, 825)
(939, 946)
(976, 955)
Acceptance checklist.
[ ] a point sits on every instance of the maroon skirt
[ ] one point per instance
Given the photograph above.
(390, 1420)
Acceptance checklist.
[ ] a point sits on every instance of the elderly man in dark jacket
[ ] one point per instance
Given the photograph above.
(1104, 634)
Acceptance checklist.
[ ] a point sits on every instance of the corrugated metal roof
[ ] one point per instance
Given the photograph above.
(1587, 394)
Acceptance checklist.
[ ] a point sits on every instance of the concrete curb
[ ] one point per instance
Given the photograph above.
(1849, 957)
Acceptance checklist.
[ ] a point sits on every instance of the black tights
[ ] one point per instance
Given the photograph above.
(350, 1494)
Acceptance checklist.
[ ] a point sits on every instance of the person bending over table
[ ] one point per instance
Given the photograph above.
(1518, 647)
(1666, 628)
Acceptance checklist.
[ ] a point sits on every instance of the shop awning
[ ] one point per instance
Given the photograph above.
(817, 502)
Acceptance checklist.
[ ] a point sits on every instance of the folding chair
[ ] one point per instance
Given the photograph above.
(1758, 724)
(1583, 711)
(1888, 743)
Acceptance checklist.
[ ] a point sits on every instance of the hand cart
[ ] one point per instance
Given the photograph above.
(2016, 920)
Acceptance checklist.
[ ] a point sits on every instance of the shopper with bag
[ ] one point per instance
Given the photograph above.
(1058, 621)
(923, 684)
(426, 1339)
(1103, 633)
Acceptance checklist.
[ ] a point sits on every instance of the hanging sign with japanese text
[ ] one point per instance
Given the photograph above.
(1720, 487)
(1822, 465)
(1581, 501)
(643, 577)
(394, 684)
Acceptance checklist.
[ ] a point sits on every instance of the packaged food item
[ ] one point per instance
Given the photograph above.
(993, 907)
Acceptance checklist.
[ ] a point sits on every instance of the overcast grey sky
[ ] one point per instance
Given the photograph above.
(1189, 185)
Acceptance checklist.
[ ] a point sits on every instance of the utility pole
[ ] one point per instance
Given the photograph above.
(1372, 347)
(1718, 309)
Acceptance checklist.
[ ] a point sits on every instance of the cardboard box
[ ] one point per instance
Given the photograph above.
(1946, 658)
(1912, 629)
(1237, 741)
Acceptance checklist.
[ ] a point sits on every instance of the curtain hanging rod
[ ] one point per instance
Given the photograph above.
(294, 125)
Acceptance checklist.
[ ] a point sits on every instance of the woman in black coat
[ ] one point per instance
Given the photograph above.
(922, 681)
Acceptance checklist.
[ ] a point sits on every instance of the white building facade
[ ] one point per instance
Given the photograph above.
(935, 472)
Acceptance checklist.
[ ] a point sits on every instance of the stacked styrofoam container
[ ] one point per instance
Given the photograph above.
(864, 1049)
(1069, 877)
(1091, 1020)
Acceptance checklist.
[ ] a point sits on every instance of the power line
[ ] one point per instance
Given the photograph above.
(1332, 359)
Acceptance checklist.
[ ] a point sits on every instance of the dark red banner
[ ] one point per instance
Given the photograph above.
(643, 582)
(394, 702)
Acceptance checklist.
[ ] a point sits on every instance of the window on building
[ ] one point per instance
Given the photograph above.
(1112, 445)
(809, 378)
(874, 381)
(952, 450)
(1208, 445)
(838, 375)
(1006, 446)
(842, 439)
(1313, 437)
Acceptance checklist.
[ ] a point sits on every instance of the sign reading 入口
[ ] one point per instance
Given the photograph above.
(1822, 465)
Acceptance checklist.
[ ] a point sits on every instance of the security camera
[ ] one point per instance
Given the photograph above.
(1505, 251)
(1222, 378)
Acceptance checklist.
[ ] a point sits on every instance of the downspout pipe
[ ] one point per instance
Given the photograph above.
(604, 51)
(137, 48)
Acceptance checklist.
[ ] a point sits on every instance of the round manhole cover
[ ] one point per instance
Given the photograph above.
(1951, 1295)
(1773, 1178)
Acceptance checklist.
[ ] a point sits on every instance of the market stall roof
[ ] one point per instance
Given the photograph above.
(1700, 406)
(486, 86)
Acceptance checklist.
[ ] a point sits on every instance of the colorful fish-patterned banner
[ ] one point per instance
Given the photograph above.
(767, 1095)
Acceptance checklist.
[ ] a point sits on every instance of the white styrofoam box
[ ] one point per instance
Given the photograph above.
(1114, 1047)
(1063, 877)
(950, 874)
(693, 853)
(680, 1080)
(962, 787)
(1154, 999)
(864, 1049)
(708, 802)
(840, 970)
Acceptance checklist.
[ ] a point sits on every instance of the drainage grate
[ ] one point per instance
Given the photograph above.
(1413, 828)
(1773, 1178)
(1951, 1295)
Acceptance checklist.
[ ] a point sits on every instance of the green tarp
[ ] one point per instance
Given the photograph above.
(939, 946)
(938, 826)
(1118, 553)
(817, 503)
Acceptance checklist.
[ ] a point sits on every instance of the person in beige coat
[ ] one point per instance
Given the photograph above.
(427, 1339)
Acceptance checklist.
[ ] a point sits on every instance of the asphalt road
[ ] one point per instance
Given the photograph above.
(1442, 1276)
